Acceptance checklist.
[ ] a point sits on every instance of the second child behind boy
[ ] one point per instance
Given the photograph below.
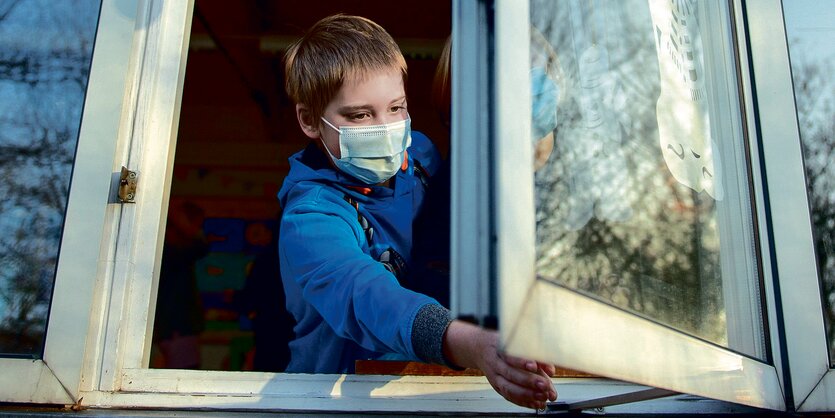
(349, 202)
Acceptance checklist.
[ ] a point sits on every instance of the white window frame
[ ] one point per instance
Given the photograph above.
(800, 373)
(812, 379)
(98, 340)
(594, 336)
(55, 378)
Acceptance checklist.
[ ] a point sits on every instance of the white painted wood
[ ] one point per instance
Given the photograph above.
(165, 27)
(620, 345)
(202, 389)
(30, 381)
(97, 339)
(758, 198)
(85, 217)
(548, 322)
(789, 209)
(515, 223)
(360, 394)
(822, 398)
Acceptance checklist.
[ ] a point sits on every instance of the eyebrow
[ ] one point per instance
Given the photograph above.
(350, 109)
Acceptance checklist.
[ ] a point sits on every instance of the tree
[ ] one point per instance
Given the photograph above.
(814, 93)
(45, 53)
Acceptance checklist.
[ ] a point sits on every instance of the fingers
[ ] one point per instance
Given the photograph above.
(552, 391)
(527, 376)
(530, 373)
(523, 378)
(519, 395)
(521, 381)
(549, 369)
(519, 362)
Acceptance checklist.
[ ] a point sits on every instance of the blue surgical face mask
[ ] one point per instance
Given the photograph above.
(374, 153)
(544, 96)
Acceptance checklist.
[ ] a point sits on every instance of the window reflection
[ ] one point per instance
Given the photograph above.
(811, 37)
(635, 206)
(45, 53)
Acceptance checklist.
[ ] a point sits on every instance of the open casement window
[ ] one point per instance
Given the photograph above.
(797, 126)
(63, 69)
(666, 238)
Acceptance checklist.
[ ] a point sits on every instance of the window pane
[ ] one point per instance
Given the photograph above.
(45, 53)
(811, 38)
(642, 198)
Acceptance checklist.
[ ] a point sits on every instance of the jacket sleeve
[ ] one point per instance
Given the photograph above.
(321, 250)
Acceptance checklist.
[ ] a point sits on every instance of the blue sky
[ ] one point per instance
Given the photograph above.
(811, 26)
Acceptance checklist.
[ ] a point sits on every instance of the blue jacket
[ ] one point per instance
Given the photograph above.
(347, 305)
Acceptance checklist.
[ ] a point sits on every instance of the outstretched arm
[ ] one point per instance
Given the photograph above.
(523, 382)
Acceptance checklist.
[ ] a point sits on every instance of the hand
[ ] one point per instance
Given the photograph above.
(524, 382)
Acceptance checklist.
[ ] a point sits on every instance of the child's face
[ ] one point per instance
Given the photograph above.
(376, 99)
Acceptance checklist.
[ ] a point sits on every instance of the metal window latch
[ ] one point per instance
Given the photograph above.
(597, 405)
(127, 185)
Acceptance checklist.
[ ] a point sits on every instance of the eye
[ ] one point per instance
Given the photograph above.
(398, 108)
(357, 117)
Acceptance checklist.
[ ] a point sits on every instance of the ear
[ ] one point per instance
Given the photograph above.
(306, 122)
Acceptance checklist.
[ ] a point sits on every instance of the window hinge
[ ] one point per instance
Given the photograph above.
(127, 185)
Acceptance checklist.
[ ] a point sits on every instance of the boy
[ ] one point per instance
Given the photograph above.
(346, 232)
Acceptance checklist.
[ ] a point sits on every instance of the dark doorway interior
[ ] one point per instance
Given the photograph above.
(219, 304)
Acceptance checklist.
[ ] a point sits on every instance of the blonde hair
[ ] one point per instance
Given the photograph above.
(335, 47)
(441, 97)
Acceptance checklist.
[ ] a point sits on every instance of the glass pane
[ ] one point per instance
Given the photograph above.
(45, 53)
(642, 197)
(810, 27)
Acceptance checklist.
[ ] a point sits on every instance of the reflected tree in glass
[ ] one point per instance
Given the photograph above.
(814, 92)
(45, 53)
(619, 218)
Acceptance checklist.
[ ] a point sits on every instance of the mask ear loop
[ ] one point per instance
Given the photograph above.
(330, 124)
(339, 131)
